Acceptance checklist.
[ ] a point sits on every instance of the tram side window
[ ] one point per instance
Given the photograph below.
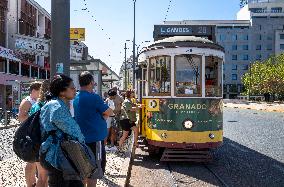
(188, 75)
(144, 78)
(213, 76)
(160, 75)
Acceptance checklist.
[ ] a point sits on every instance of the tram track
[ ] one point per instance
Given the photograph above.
(216, 175)
(175, 182)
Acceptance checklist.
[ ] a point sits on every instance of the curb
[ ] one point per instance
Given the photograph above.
(258, 109)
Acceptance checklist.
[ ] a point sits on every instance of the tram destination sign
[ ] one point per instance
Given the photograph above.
(161, 31)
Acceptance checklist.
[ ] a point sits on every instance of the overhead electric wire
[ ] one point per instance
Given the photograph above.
(168, 10)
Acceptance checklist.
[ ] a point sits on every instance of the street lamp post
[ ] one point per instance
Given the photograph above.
(134, 64)
(125, 73)
(125, 65)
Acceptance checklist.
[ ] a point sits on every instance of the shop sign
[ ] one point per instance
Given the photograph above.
(8, 54)
(28, 46)
(77, 34)
(76, 52)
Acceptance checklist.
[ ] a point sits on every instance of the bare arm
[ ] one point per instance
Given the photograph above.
(108, 112)
(24, 108)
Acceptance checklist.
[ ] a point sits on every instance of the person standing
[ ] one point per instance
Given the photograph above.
(128, 120)
(56, 124)
(43, 98)
(110, 121)
(24, 110)
(91, 113)
(117, 100)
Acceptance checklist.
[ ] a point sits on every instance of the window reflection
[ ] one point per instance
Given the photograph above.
(188, 75)
(160, 75)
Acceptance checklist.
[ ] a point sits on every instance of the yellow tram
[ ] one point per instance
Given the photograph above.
(181, 89)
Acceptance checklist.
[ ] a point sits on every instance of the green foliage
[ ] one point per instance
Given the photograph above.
(265, 77)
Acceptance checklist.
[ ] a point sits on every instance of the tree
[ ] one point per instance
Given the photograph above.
(265, 77)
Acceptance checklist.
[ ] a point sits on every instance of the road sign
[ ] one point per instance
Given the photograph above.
(153, 105)
(77, 34)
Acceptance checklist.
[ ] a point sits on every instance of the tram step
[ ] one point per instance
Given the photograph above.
(188, 155)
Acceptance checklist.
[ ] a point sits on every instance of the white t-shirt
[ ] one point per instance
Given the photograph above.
(110, 104)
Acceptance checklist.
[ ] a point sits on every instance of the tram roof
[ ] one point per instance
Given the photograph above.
(185, 41)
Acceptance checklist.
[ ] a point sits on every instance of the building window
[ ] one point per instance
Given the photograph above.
(234, 67)
(258, 57)
(282, 36)
(281, 46)
(245, 47)
(234, 47)
(245, 37)
(276, 10)
(234, 77)
(234, 37)
(269, 37)
(245, 57)
(234, 57)
(258, 47)
(269, 47)
(222, 37)
(245, 67)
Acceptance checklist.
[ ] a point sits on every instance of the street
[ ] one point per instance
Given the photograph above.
(252, 155)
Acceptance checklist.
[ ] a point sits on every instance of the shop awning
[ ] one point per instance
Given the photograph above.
(8, 54)
(7, 79)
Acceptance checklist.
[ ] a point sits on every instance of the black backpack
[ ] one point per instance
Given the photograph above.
(27, 139)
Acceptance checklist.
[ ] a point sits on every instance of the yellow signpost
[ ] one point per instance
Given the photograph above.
(77, 34)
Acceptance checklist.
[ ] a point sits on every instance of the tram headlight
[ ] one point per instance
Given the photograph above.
(188, 124)
(211, 135)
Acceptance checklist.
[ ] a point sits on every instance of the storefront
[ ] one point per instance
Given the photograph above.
(9, 79)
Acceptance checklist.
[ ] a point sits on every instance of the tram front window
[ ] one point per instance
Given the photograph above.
(188, 75)
(160, 76)
(213, 76)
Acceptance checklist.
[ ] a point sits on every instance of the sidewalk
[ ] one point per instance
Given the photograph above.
(269, 107)
(11, 168)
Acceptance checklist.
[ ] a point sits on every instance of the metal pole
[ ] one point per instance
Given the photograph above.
(125, 69)
(133, 79)
(60, 37)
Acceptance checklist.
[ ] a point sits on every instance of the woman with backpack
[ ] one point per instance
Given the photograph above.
(43, 98)
(57, 124)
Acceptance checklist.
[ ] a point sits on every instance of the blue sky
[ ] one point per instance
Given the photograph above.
(114, 20)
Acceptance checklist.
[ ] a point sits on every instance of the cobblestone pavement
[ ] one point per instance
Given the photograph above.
(11, 168)
(252, 155)
(269, 107)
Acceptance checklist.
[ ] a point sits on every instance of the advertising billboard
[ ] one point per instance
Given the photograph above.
(77, 34)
